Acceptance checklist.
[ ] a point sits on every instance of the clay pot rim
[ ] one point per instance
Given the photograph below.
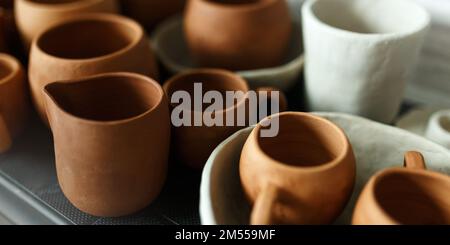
(209, 71)
(249, 7)
(13, 63)
(320, 168)
(307, 11)
(102, 17)
(419, 174)
(88, 79)
(61, 6)
(435, 121)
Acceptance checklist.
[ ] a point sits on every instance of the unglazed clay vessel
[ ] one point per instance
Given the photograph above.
(112, 136)
(238, 34)
(193, 144)
(150, 12)
(439, 128)
(108, 43)
(13, 100)
(410, 196)
(304, 175)
(35, 16)
(358, 59)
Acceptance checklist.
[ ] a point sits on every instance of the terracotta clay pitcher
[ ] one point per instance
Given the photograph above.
(13, 100)
(405, 196)
(111, 135)
(88, 45)
(304, 175)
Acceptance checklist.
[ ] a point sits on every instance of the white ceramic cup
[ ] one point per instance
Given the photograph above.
(359, 54)
(439, 128)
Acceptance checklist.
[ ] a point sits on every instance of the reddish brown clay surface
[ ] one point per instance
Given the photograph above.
(308, 171)
(238, 34)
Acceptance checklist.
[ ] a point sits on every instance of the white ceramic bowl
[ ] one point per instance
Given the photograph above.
(439, 128)
(376, 147)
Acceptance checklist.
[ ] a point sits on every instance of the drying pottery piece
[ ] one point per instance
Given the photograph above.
(112, 136)
(150, 13)
(416, 120)
(13, 100)
(35, 16)
(239, 34)
(408, 196)
(109, 43)
(439, 128)
(193, 144)
(359, 58)
(376, 147)
(305, 175)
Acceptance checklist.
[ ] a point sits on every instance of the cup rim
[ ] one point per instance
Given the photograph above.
(13, 63)
(101, 17)
(435, 122)
(258, 5)
(141, 78)
(319, 168)
(61, 6)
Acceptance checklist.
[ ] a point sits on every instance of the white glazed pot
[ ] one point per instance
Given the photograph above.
(359, 54)
(439, 128)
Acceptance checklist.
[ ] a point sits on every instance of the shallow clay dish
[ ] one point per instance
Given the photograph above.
(376, 147)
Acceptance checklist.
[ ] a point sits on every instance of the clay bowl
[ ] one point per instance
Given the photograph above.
(222, 200)
(108, 43)
(34, 16)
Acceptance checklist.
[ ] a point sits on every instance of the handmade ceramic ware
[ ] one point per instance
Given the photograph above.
(150, 13)
(35, 16)
(409, 196)
(304, 175)
(376, 147)
(439, 128)
(416, 120)
(13, 100)
(193, 144)
(360, 57)
(109, 43)
(239, 34)
(112, 135)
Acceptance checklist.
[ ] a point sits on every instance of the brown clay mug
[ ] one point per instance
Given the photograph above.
(34, 16)
(13, 100)
(194, 144)
(237, 34)
(112, 136)
(88, 45)
(304, 175)
(408, 196)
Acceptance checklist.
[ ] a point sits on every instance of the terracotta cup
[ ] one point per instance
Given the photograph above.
(35, 16)
(305, 175)
(409, 196)
(237, 34)
(13, 100)
(194, 144)
(88, 45)
(150, 13)
(112, 136)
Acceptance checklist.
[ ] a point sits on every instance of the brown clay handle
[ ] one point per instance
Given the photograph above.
(5, 137)
(262, 213)
(415, 160)
(283, 100)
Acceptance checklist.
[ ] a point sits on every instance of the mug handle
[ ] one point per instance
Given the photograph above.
(414, 160)
(262, 213)
(5, 136)
(283, 100)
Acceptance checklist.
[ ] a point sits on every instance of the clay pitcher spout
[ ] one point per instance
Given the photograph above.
(111, 134)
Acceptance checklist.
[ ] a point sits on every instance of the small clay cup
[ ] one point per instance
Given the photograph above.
(88, 45)
(439, 128)
(13, 100)
(305, 175)
(150, 13)
(405, 196)
(35, 16)
(238, 34)
(112, 136)
(194, 144)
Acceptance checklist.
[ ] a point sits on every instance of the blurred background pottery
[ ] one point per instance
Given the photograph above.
(13, 100)
(150, 12)
(8, 32)
(439, 128)
(408, 196)
(359, 59)
(238, 34)
(35, 16)
(111, 134)
(88, 45)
